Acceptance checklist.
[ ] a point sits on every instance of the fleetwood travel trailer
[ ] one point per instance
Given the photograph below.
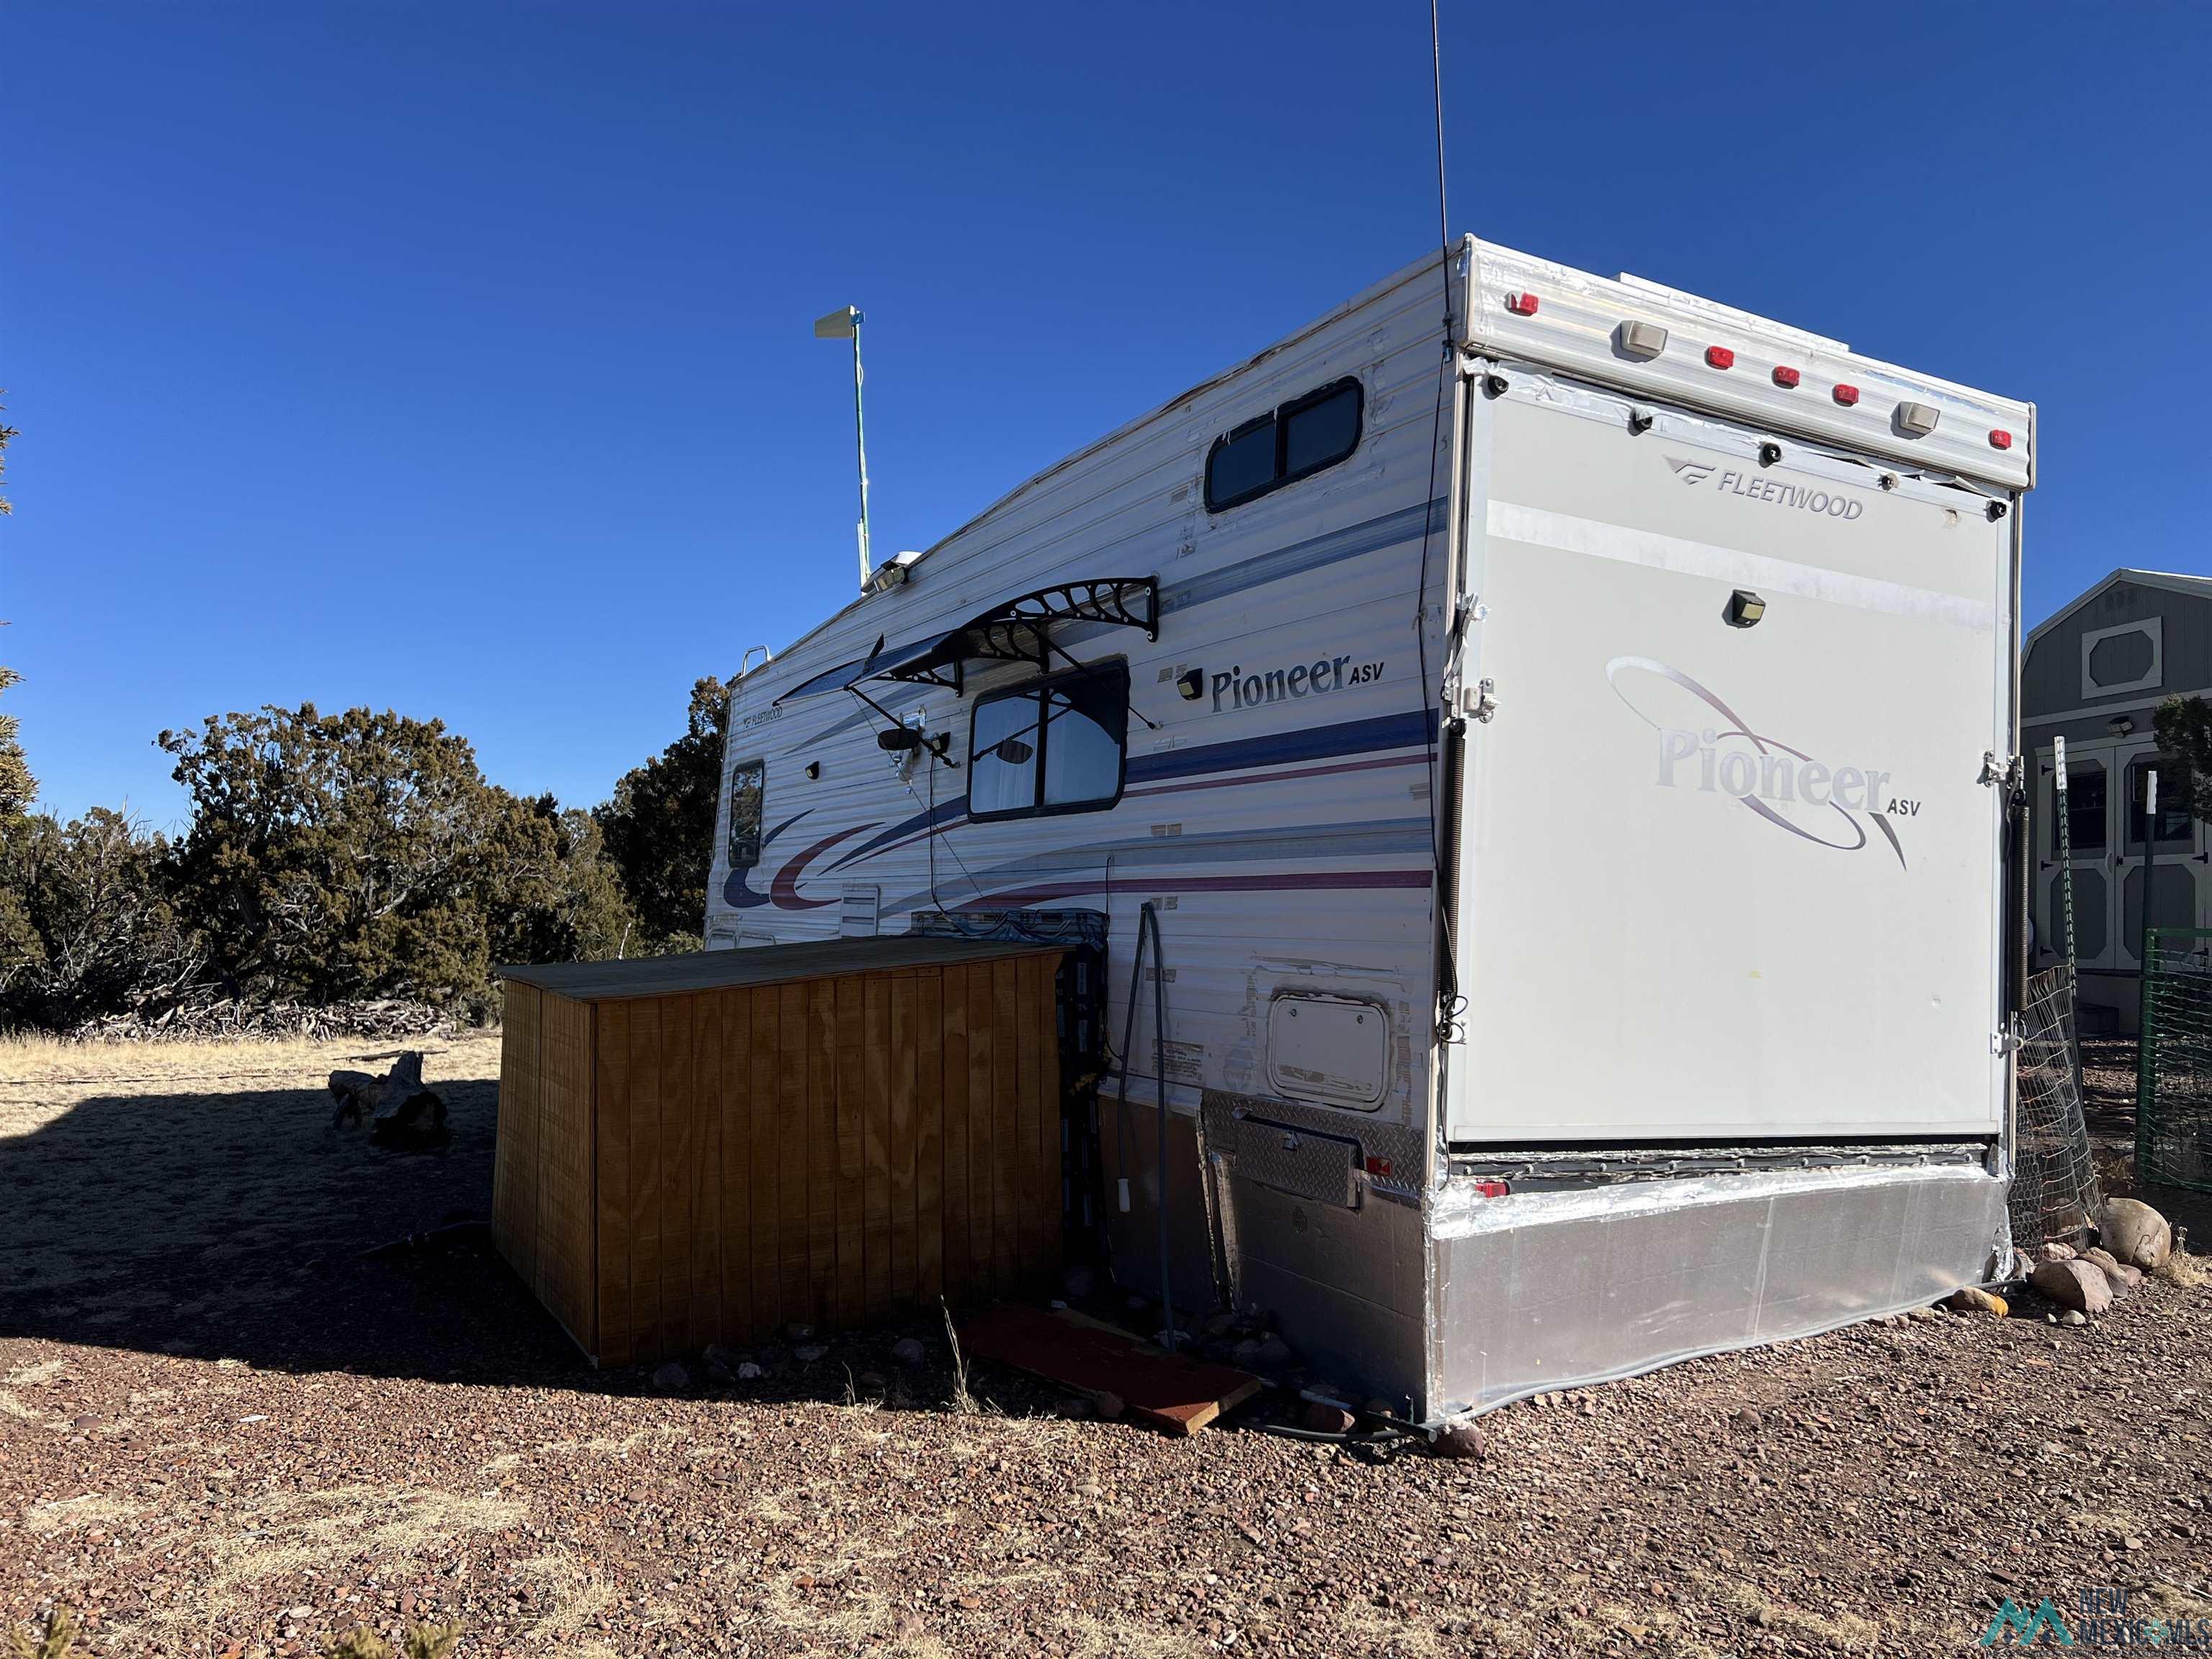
(1562, 731)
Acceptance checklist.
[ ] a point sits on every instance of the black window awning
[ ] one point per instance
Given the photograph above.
(1020, 630)
(1016, 630)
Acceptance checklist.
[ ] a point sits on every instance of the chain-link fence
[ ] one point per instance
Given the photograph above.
(2054, 1186)
(2174, 1082)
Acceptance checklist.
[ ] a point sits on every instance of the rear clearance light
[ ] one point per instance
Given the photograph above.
(1787, 378)
(1846, 395)
(1379, 1168)
(1720, 357)
(2000, 439)
(1520, 305)
(1492, 1189)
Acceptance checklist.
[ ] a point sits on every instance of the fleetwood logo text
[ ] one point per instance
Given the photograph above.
(1834, 503)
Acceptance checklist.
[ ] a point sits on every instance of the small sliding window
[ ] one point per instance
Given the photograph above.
(1292, 442)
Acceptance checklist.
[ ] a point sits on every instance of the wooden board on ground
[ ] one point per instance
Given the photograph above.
(1170, 1391)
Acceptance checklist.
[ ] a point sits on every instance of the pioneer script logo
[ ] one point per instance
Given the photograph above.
(1829, 805)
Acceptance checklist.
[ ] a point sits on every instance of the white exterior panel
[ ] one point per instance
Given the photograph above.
(1726, 883)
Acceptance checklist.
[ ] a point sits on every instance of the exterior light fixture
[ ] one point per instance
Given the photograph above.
(1744, 610)
(1640, 339)
(1916, 420)
(2119, 725)
(814, 769)
(1190, 684)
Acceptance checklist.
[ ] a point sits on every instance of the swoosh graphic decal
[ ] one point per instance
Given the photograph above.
(784, 890)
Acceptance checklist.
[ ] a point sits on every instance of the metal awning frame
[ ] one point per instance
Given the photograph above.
(1020, 630)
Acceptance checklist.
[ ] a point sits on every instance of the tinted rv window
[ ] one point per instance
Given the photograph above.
(1243, 465)
(1320, 431)
(1053, 745)
(746, 780)
(1003, 754)
(1295, 442)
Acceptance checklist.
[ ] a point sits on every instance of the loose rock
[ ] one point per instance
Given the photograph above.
(2135, 1233)
(1972, 1299)
(1458, 1440)
(671, 1378)
(1323, 1417)
(2077, 1284)
(907, 1351)
(2123, 1278)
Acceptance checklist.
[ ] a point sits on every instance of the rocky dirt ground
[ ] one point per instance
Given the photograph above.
(225, 1432)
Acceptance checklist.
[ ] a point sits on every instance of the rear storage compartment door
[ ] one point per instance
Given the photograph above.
(1725, 882)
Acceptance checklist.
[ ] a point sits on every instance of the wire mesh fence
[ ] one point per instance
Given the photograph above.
(2174, 1082)
(2054, 1185)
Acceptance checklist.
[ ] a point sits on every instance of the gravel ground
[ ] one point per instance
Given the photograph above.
(224, 1433)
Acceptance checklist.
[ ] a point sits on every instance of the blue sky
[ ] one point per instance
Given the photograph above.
(455, 357)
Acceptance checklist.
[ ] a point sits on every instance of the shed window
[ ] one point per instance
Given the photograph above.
(1053, 745)
(1295, 442)
(747, 779)
(2175, 822)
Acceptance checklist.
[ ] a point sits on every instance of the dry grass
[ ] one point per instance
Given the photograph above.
(30, 1060)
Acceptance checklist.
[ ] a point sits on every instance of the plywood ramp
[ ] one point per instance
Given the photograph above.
(705, 1149)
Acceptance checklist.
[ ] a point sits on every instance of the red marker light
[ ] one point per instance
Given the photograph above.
(1379, 1167)
(1520, 305)
(1492, 1189)
(1786, 377)
(1720, 357)
(2000, 439)
(1846, 395)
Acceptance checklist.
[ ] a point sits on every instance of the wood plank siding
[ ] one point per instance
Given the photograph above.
(682, 1161)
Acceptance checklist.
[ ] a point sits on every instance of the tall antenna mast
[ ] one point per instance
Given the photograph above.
(844, 324)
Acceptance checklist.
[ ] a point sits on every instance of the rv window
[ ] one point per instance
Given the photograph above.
(1296, 441)
(1053, 745)
(1320, 430)
(746, 780)
(1002, 755)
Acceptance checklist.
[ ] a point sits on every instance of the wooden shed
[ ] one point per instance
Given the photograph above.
(707, 1148)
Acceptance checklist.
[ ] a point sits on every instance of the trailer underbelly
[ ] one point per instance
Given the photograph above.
(1542, 1291)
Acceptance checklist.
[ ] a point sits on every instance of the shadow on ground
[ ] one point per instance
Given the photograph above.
(243, 1227)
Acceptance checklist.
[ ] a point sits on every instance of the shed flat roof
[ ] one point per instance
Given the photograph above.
(766, 965)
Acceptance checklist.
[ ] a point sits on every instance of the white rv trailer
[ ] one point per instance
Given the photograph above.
(1562, 727)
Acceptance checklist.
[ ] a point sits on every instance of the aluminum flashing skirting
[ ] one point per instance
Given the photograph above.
(1548, 1291)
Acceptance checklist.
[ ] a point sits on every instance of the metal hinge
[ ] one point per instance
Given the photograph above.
(1483, 705)
(2003, 769)
(2006, 1042)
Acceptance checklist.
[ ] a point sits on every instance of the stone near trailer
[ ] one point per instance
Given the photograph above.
(1078, 1282)
(1378, 1409)
(671, 1378)
(718, 1372)
(1458, 1440)
(1109, 1404)
(1220, 1324)
(907, 1351)
(2077, 1284)
(715, 1354)
(1972, 1299)
(807, 1354)
(870, 1383)
(1322, 1418)
(1274, 1354)
(2122, 1276)
(747, 1371)
(799, 1333)
(1246, 1354)
(2054, 1251)
(2073, 1316)
(2136, 1233)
